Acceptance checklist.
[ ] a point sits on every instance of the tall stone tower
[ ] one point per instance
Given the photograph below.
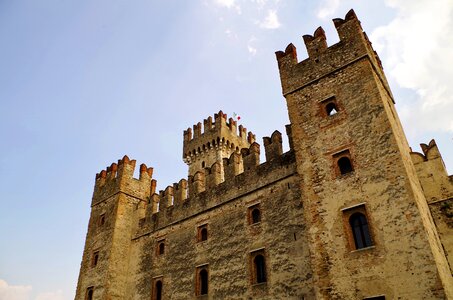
(218, 141)
(356, 172)
(118, 200)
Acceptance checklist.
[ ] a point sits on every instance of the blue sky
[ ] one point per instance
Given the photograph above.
(84, 82)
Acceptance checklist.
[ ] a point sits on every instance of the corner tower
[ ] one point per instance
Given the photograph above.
(218, 140)
(371, 235)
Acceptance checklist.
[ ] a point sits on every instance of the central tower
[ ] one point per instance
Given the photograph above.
(219, 140)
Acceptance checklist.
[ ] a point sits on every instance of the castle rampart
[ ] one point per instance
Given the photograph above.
(349, 212)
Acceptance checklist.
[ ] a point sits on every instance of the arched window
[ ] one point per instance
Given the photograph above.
(203, 282)
(256, 215)
(344, 165)
(331, 109)
(158, 290)
(161, 248)
(90, 292)
(360, 231)
(204, 234)
(260, 268)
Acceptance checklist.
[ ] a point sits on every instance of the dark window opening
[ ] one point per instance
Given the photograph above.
(95, 259)
(90, 292)
(102, 220)
(260, 268)
(203, 164)
(331, 109)
(345, 166)
(161, 250)
(203, 234)
(203, 282)
(256, 215)
(360, 231)
(158, 290)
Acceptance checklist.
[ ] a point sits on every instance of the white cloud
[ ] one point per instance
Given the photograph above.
(417, 50)
(252, 49)
(229, 4)
(58, 295)
(14, 292)
(271, 21)
(230, 34)
(327, 8)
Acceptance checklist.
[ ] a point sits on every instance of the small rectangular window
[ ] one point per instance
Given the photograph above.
(202, 280)
(343, 163)
(254, 214)
(202, 233)
(357, 227)
(160, 250)
(329, 107)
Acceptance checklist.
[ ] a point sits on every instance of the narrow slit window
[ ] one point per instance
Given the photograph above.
(95, 259)
(89, 294)
(258, 267)
(202, 281)
(161, 248)
(157, 289)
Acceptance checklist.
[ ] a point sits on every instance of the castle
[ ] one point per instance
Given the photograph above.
(349, 212)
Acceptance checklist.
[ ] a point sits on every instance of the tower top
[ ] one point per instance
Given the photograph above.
(218, 139)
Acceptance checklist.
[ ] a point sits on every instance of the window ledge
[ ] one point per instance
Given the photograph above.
(259, 284)
(256, 224)
(364, 249)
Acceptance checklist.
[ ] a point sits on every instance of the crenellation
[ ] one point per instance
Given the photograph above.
(207, 124)
(348, 28)
(251, 156)
(197, 130)
(233, 165)
(214, 175)
(315, 43)
(273, 145)
(180, 191)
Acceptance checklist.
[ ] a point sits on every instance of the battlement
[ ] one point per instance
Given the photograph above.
(119, 177)
(430, 151)
(242, 170)
(432, 173)
(323, 60)
(215, 141)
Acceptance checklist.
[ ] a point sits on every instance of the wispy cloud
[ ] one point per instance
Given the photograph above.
(14, 292)
(252, 49)
(229, 4)
(23, 292)
(418, 51)
(270, 21)
(327, 8)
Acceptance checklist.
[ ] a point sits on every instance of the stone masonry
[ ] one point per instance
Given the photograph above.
(349, 212)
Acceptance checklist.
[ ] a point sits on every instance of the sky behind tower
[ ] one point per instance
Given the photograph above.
(84, 82)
